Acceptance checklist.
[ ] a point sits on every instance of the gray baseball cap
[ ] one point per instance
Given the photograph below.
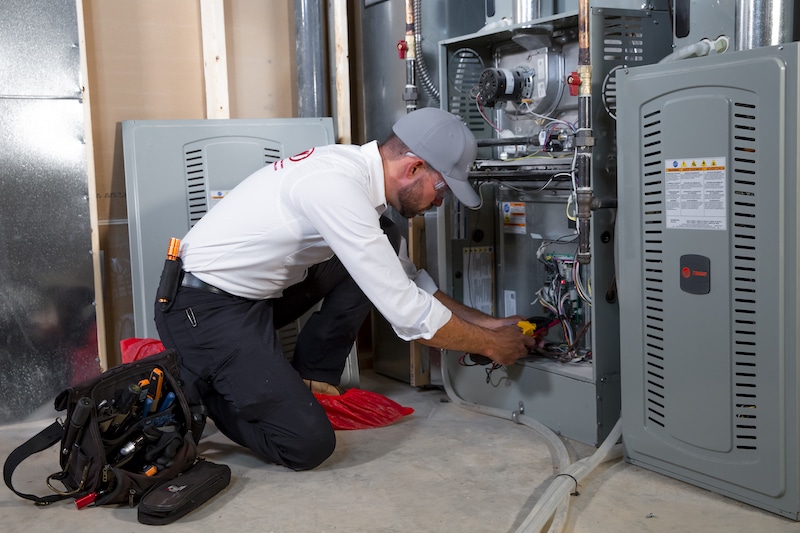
(445, 143)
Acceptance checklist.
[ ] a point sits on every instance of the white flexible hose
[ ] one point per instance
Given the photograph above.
(563, 485)
(699, 49)
(554, 443)
(554, 500)
(560, 519)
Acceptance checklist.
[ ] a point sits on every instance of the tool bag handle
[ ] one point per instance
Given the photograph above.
(39, 442)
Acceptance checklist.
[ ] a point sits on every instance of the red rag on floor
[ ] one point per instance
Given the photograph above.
(361, 409)
(134, 349)
(355, 409)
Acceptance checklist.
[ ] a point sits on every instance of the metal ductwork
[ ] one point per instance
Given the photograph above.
(311, 43)
(764, 23)
(526, 10)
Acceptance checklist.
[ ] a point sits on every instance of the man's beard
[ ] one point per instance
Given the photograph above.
(409, 197)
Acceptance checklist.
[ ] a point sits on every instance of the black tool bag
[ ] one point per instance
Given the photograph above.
(126, 430)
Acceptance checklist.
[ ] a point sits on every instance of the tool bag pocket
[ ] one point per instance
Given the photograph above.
(125, 431)
(173, 499)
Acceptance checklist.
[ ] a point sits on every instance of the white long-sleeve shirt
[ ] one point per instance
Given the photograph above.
(300, 211)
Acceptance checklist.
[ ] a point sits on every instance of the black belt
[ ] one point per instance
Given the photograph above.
(193, 282)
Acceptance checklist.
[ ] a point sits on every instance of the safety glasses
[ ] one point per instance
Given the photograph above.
(439, 185)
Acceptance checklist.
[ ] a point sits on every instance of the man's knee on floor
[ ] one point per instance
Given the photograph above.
(303, 439)
(313, 453)
(307, 452)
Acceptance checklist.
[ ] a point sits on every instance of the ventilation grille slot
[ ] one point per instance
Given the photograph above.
(625, 43)
(272, 154)
(463, 73)
(744, 175)
(623, 40)
(196, 193)
(652, 174)
(609, 92)
(196, 171)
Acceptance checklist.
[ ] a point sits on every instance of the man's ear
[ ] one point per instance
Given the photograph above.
(415, 167)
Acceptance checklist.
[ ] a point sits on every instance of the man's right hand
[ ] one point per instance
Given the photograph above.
(503, 345)
(509, 345)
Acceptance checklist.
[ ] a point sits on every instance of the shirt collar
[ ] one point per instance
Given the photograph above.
(377, 184)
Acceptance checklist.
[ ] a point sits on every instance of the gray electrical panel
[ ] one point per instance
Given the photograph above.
(708, 269)
(176, 170)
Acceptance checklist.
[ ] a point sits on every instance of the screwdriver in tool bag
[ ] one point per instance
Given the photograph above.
(125, 410)
(144, 397)
(128, 449)
(156, 386)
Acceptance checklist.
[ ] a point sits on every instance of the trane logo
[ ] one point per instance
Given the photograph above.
(687, 272)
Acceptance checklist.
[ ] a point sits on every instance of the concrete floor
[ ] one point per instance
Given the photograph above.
(442, 469)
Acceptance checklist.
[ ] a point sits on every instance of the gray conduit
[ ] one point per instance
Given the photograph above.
(422, 67)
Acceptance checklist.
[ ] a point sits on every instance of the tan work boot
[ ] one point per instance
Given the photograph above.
(320, 387)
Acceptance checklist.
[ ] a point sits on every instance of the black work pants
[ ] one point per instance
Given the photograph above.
(231, 360)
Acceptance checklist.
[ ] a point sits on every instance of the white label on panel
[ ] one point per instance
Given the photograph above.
(479, 278)
(510, 302)
(695, 190)
(514, 217)
(215, 198)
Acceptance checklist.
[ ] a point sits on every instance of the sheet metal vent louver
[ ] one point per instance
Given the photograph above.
(463, 73)
(744, 273)
(196, 189)
(624, 44)
(623, 39)
(653, 216)
(272, 153)
(196, 173)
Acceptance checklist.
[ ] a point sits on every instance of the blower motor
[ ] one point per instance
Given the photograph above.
(503, 85)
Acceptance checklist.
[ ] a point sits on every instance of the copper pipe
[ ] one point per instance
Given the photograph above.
(583, 32)
(410, 95)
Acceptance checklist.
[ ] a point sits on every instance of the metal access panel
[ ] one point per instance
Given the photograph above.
(708, 267)
(176, 170)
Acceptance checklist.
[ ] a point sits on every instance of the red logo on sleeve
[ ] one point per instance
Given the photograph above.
(301, 155)
(277, 165)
